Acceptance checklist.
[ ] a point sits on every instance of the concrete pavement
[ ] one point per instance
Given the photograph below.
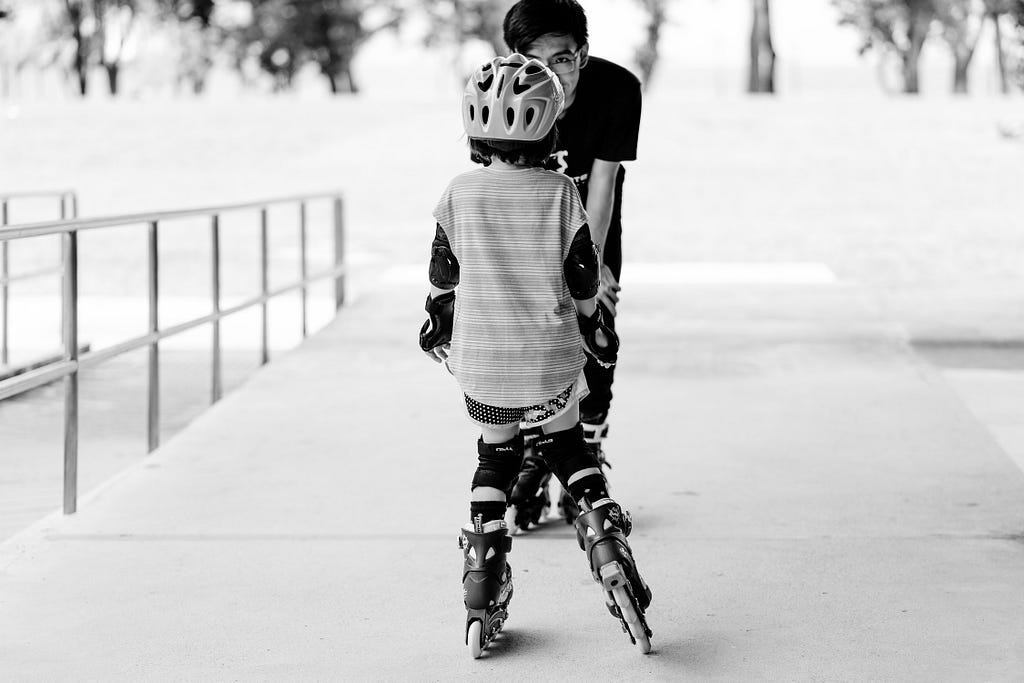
(812, 502)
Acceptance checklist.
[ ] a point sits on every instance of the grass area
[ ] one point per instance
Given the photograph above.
(887, 191)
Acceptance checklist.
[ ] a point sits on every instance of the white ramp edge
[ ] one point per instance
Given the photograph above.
(682, 272)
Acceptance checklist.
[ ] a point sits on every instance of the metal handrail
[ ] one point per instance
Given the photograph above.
(68, 204)
(75, 359)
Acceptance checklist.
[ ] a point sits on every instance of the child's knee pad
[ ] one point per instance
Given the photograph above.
(566, 453)
(498, 464)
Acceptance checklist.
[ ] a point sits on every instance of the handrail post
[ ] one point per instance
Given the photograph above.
(216, 383)
(339, 251)
(303, 267)
(69, 324)
(264, 288)
(153, 391)
(5, 298)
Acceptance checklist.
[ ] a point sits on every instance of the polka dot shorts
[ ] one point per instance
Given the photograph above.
(483, 414)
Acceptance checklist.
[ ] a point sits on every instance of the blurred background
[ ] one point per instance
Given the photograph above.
(880, 139)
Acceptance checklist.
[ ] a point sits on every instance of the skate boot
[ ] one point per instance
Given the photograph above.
(486, 581)
(593, 434)
(601, 531)
(529, 502)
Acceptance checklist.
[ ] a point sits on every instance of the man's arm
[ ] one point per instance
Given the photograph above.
(600, 199)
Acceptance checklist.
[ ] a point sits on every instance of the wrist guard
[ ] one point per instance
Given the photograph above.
(605, 356)
(437, 330)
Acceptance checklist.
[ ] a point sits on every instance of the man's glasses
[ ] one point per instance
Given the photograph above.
(564, 64)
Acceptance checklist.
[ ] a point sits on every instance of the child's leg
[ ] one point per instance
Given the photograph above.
(485, 543)
(566, 453)
(500, 455)
(603, 525)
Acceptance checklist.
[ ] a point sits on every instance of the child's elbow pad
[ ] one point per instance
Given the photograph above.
(582, 273)
(444, 267)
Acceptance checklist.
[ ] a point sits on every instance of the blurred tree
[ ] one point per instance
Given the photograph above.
(78, 14)
(898, 27)
(647, 54)
(114, 22)
(287, 34)
(1015, 62)
(460, 21)
(762, 54)
(197, 37)
(962, 22)
(997, 10)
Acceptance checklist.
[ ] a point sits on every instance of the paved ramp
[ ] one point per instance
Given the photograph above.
(812, 502)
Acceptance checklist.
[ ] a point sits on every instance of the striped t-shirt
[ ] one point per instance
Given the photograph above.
(515, 341)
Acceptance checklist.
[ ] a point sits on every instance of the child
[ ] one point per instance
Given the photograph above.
(513, 238)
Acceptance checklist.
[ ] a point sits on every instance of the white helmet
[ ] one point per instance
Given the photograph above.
(512, 98)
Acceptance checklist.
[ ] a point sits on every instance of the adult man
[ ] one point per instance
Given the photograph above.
(598, 130)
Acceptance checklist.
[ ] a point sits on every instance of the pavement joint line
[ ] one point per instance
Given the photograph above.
(560, 537)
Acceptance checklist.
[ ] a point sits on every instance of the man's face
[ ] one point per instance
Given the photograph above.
(560, 52)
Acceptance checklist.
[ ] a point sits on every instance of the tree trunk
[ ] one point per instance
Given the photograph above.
(921, 15)
(1004, 84)
(761, 75)
(960, 66)
(113, 71)
(81, 63)
(648, 53)
(911, 81)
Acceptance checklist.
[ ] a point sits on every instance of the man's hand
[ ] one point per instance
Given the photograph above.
(599, 341)
(608, 294)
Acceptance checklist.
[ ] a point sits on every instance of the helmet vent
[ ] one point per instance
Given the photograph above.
(510, 116)
(530, 114)
(533, 69)
(501, 84)
(472, 113)
(485, 84)
(484, 115)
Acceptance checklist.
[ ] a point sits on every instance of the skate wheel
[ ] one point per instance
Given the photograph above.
(633, 622)
(475, 638)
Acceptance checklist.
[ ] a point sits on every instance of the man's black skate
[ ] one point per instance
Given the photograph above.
(602, 532)
(486, 581)
(529, 502)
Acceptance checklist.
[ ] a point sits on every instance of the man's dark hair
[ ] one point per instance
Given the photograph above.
(514, 152)
(528, 20)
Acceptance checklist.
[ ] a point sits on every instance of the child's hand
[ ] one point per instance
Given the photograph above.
(439, 354)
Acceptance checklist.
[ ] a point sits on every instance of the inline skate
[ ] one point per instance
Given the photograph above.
(486, 581)
(601, 530)
(529, 502)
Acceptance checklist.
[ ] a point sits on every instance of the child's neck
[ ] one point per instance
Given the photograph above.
(500, 165)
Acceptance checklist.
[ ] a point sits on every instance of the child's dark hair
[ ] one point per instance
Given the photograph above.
(528, 20)
(513, 151)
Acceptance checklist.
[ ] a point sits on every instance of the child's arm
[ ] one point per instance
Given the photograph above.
(582, 275)
(436, 332)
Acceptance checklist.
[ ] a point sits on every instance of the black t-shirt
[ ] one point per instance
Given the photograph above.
(602, 123)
